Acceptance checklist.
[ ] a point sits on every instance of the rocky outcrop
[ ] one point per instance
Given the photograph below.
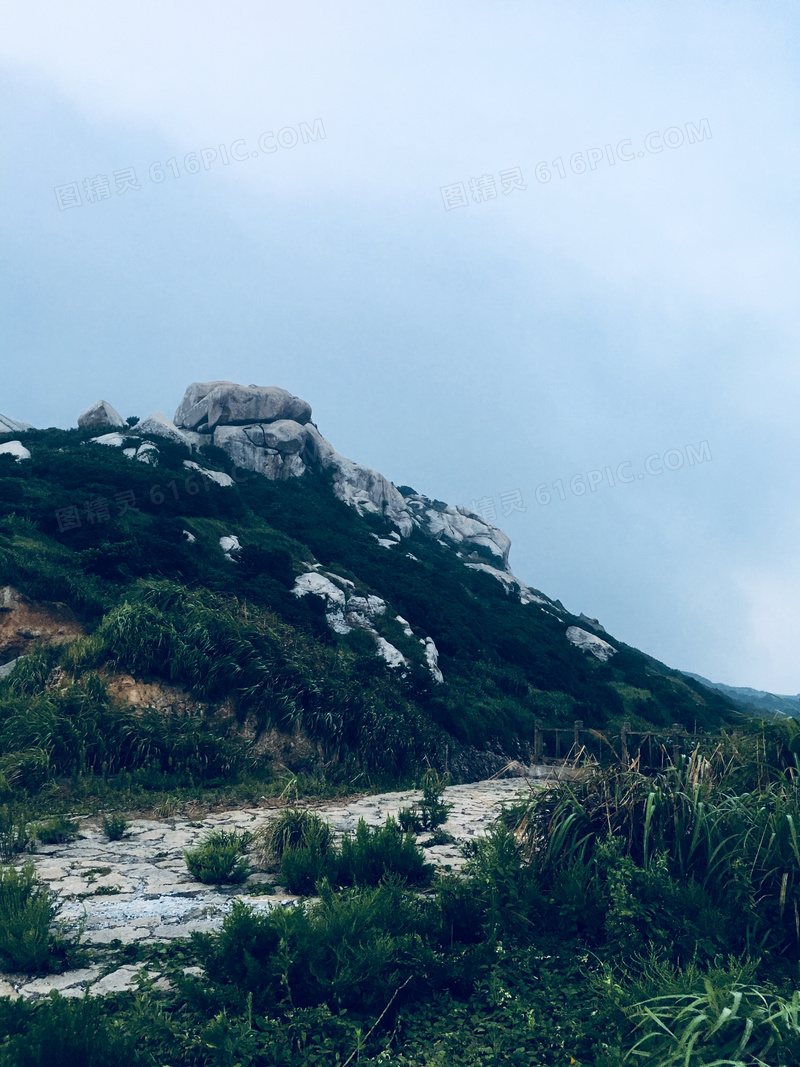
(587, 642)
(207, 405)
(16, 449)
(8, 425)
(99, 415)
(158, 425)
(267, 430)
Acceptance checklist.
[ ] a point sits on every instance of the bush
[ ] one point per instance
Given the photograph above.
(350, 950)
(56, 831)
(26, 914)
(219, 857)
(363, 860)
(61, 1032)
(431, 812)
(294, 828)
(115, 826)
(14, 834)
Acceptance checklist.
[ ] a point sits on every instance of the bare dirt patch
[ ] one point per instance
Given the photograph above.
(25, 623)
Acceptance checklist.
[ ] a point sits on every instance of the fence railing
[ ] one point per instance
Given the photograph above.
(653, 748)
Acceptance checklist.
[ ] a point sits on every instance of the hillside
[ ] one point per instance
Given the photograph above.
(270, 601)
(754, 701)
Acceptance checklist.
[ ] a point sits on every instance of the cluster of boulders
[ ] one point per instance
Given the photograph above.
(269, 431)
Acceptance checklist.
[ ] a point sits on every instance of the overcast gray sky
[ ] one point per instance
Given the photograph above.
(383, 241)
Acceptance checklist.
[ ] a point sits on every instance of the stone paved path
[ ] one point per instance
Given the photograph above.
(138, 888)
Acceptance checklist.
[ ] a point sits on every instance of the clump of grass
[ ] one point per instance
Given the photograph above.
(115, 826)
(57, 831)
(431, 812)
(14, 833)
(26, 914)
(363, 860)
(293, 828)
(219, 857)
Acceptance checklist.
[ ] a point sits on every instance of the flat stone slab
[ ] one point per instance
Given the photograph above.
(138, 888)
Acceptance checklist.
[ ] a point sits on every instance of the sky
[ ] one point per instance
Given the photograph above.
(539, 259)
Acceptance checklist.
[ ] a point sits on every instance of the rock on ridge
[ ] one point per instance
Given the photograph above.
(101, 414)
(268, 430)
(15, 448)
(8, 425)
(582, 639)
(206, 405)
(159, 425)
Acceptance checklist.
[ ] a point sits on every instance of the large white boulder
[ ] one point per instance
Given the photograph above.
(587, 642)
(101, 414)
(158, 425)
(8, 425)
(15, 448)
(206, 405)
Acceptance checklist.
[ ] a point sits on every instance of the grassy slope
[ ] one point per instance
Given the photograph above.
(504, 663)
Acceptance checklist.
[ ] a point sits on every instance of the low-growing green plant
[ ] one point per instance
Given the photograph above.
(14, 832)
(440, 837)
(362, 860)
(56, 831)
(293, 828)
(431, 812)
(115, 826)
(26, 914)
(67, 1032)
(219, 857)
(740, 1025)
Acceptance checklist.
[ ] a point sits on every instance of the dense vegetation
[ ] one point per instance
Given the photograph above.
(607, 921)
(612, 920)
(255, 657)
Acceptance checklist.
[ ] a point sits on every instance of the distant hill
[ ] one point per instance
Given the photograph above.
(754, 699)
(234, 553)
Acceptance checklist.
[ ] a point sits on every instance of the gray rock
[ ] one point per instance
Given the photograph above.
(8, 425)
(120, 981)
(208, 404)
(159, 425)
(7, 668)
(587, 642)
(15, 448)
(101, 414)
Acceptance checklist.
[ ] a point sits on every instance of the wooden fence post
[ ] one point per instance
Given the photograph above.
(578, 735)
(537, 740)
(623, 737)
(677, 734)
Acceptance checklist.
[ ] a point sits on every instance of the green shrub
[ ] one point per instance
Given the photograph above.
(67, 1032)
(26, 914)
(431, 812)
(363, 860)
(115, 826)
(14, 833)
(57, 831)
(294, 828)
(219, 857)
(352, 949)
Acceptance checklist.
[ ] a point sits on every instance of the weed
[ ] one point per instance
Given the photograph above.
(14, 833)
(293, 828)
(431, 812)
(56, 831)
(219, 857)
(115, 826)
(26, 913)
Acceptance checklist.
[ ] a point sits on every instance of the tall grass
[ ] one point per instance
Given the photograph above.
(740, 849)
